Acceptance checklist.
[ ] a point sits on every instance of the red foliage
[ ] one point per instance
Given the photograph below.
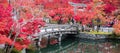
(117, 28)
(65, 20)
(108, 8)
(77, 18)
(18, 46)
(33, 26)
(22, 27)
(61, 13)
(37, 2)
(26, 41)
(56, 18)
(23, 36)
(4, 39)
(5, 19)
(82, 1)
(54, 41)
(114, 2)
(52, 13)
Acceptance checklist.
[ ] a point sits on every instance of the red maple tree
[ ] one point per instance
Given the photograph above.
(15, 32)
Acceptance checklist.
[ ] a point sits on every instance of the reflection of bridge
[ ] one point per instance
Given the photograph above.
(55, 30)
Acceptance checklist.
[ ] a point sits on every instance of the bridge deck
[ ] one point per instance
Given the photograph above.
(53, 29)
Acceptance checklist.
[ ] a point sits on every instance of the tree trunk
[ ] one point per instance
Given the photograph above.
(7, 48)
(98, 27)
(9, 51)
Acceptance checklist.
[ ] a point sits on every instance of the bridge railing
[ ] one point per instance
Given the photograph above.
(50, 28)
(107, 29)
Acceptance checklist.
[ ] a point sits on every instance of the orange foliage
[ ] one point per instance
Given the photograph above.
(117, 27)
(4, 3)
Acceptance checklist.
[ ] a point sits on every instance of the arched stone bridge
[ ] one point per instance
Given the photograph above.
(53, 29)
(57, 30)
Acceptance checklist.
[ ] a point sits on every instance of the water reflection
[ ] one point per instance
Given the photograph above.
(77, 45)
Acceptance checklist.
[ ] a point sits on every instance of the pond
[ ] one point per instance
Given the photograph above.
(78, 45)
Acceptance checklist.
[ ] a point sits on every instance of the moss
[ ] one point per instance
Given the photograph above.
(15, 51)
(113, 35)
(30, 51)
(53, 22)
(1, 50)
(95, 32)
(32, 47)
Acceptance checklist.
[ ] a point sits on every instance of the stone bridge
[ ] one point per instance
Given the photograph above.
(58, 31)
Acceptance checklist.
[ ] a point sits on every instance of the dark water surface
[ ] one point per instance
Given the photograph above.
(77, 45)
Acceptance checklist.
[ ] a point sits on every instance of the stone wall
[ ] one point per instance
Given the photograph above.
(94, 36)
(106, 29)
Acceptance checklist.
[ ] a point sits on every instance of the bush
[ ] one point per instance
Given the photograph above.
(15, 51)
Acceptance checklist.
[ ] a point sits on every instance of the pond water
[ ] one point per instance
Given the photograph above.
(78, 45)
